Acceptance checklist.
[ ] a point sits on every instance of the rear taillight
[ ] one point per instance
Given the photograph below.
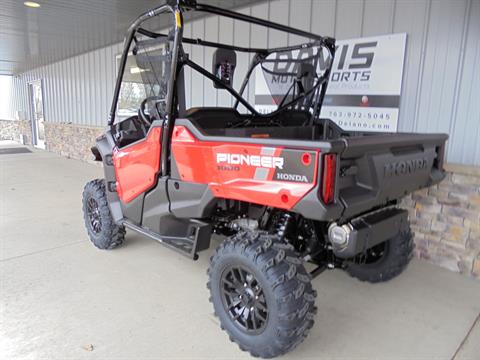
(328, 178)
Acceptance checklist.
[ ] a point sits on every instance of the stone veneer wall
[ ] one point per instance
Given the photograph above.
(12, 129)
(72, 141)
(445, 217)
(446, 220)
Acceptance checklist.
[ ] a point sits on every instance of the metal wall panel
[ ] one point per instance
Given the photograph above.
(187, 32)
(76, 90)
(349, 15)
(241, 31)
(211, 34)
(378, 17)
(258, 38)
(197, 56)
(66, 28)
(226, 36)
(465, 118)
(441, 84)
(300, 17)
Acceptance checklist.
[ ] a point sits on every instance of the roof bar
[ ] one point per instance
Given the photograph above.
(234, 15)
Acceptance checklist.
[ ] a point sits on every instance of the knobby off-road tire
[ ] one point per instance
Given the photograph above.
(397, 253)
(102, 230)
(274, 279)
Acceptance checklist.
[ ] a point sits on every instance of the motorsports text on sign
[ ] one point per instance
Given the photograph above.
(365, 84)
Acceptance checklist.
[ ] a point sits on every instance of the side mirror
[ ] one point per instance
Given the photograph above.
(224, 63)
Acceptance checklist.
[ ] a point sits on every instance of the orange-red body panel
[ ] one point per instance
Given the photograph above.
(137, 165)
(197, 161)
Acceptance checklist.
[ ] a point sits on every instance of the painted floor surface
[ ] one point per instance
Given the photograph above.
(61, 298)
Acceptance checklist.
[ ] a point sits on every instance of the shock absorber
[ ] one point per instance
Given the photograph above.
(282, 225)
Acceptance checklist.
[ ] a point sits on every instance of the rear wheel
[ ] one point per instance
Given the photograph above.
(101, 229)
(261, 293)
(385, 260)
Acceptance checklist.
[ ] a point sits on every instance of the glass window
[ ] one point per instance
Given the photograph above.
(146, 76)
(132, 91)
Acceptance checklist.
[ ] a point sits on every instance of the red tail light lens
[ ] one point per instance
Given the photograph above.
(328, 178)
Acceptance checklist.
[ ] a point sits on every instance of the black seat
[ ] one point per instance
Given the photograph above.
(214, 117)
(129, 131)
(288, 124)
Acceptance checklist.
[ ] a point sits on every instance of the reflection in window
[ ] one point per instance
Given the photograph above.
(132, 91)
(146, 75)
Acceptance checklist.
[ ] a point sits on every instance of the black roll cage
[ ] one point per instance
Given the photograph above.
(177, 8)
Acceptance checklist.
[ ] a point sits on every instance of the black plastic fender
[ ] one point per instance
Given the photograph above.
(104, 148)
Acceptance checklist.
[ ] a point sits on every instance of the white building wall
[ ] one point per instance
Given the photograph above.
(441, 84)
(6, 83)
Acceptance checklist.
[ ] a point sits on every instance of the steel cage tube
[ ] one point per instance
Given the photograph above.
(167, 130)
(251, 19)
(208, 9)
(126, 45)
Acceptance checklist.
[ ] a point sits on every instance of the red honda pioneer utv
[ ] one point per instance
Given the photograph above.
(284, 185)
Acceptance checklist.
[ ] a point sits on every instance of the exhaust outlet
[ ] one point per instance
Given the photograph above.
(339, 235)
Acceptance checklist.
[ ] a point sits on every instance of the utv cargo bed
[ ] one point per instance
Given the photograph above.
(376, 169)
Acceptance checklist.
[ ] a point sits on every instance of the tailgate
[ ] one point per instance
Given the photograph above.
(376, 169)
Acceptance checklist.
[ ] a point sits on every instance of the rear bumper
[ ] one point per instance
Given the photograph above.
(367, 231)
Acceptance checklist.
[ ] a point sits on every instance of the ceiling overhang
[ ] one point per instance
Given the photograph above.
(59, 29)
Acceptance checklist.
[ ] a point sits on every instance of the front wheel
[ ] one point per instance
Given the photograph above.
(101, 228)
(385, 260)
(261, 293)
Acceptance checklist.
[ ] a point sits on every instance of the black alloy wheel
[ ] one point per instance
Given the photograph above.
(243, 299)
(102, 230)
(93, 213)
(261, 293)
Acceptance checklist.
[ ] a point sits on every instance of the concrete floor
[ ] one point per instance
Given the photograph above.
(60, 295)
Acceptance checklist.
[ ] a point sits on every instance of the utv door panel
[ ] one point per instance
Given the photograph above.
(137, 165)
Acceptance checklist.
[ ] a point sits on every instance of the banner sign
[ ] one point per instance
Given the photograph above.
(365, 84)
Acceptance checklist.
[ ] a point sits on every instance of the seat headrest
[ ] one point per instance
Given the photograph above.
(223, 66)
(306, 75)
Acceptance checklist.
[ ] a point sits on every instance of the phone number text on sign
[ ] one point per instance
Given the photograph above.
(362, 119)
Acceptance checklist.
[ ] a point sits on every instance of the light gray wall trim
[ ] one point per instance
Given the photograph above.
(441, 84)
